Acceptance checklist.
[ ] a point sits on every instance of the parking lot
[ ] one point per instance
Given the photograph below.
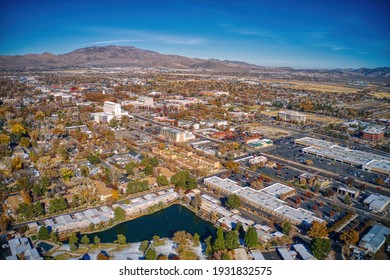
(293, 152)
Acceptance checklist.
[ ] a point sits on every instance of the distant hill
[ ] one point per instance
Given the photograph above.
(118, 56)
(128, 56)
(374, 72)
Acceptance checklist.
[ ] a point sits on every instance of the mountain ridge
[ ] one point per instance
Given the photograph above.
(130, 56)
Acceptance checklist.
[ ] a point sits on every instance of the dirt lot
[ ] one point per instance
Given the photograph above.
(269, 131)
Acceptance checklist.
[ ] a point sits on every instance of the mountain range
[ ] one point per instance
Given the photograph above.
(129, 56)
(118, 56)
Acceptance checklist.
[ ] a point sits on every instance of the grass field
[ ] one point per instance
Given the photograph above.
(300, 85)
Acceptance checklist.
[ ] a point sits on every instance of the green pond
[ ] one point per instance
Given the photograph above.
(163, 223)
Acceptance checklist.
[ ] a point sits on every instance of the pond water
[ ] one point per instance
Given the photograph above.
(163, 223)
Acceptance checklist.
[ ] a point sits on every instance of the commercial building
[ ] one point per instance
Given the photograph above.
(329, 150)
(375, 238)
(373, 134)
(377, 202)
(352, 192)
(142, 101)
(280, 191)
(112, 108)
(176, 135)
(291, 117)
(267, 199)
(380, 166)
(258, 160)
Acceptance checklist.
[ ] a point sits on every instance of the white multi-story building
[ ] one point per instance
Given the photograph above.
(176, 135)
(112, 108)
(292, 116)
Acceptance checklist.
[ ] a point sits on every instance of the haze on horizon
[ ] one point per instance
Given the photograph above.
(299, 34)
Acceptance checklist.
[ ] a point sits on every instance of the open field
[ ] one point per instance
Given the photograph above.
(268, 131)
(309, 116)
(381, 94)
(300, 85)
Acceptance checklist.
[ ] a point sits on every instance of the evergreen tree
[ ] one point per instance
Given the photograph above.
(43, 233)
(251, 239)
(120, 214)
(219, 243)
(151, 254)
(96, 240)
(209, 248)
(73, 238)
(233, 201)
(232, 240)
(320, 248)
(196, 239)
(85, 240)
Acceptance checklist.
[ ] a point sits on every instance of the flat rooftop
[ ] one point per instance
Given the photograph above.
(277, 189)
(261, 198)
(225, 184)
(299, 215)
(383, 165)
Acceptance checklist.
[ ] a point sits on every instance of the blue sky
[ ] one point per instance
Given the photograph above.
(300, 34)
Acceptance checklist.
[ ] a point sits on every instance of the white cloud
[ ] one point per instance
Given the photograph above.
(146, 36)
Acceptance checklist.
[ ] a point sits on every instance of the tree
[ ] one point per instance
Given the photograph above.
(39, 115)
(181, 238)
(231, 165)
(184, 180)
(57, 205)
(120, 214)
(219, 242)
(24, 142)
(309, 162)
(148, 170)
(209, 248)
(320, 248)
(318, 230)
(66, 173)
(162, 181)
(233, 201)
(196, 241)
(143, 246)
(196, 202)
(16, 163)
(350, 237)
(93, 159)
(53, 236)
(231, 240)
(84, 170)
(286, 227)
(130, 168)
(73, 247)
(85, 240)
(73, 239)
(18, 129)
(96, 240)
(251, 239)
(380, 181)
(151, 254)
(5, 139)
(347, 199)
(43, 233)
(121, 239)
